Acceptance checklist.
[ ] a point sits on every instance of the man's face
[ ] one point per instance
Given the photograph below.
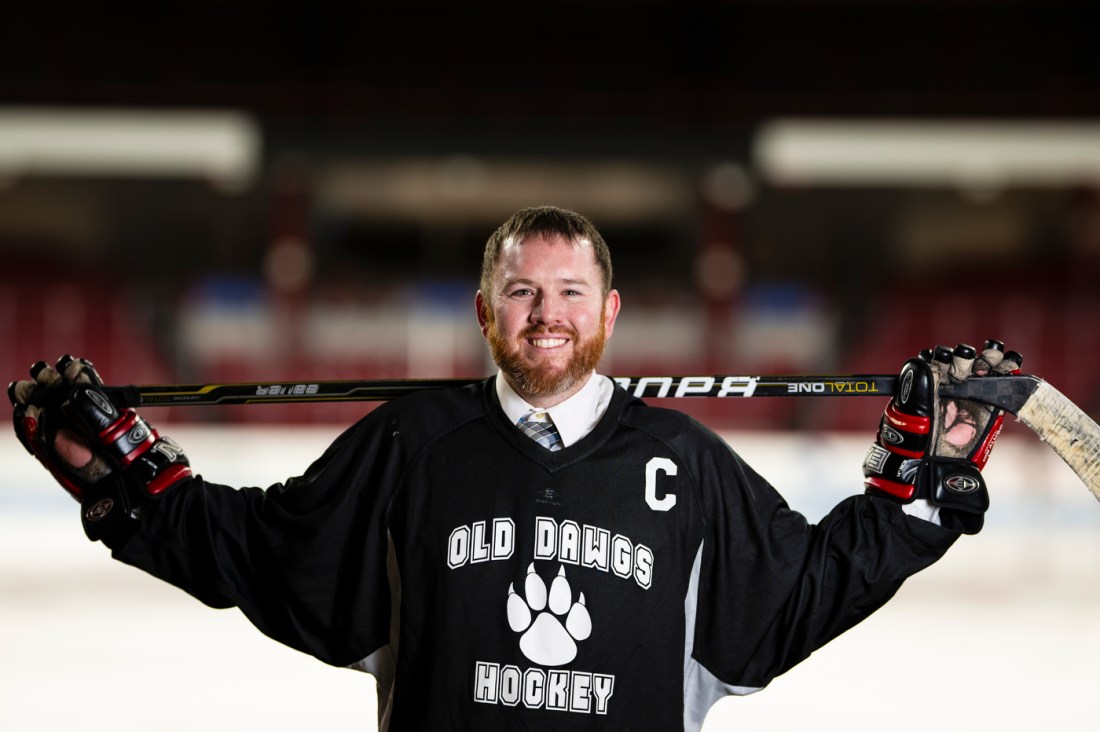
(546, 318)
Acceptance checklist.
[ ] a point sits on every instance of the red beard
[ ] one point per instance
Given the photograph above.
(541, 380)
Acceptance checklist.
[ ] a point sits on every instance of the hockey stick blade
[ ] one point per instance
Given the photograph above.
(1070, 432)
(1050, 414)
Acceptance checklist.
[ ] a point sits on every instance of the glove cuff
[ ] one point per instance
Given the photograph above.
(108, 508)
(954, 484)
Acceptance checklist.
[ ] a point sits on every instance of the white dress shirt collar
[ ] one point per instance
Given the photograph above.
(574, 418)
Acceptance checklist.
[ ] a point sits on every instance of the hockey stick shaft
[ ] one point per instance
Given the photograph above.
(1049, 413)
(1006, 392)
(384, 389)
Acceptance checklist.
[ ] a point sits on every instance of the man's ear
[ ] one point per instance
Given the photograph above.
(611, 312)
(483, 316)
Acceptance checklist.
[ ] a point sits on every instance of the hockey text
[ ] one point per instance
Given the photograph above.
(536, 688)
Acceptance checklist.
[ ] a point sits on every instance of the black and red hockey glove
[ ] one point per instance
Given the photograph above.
(934, 449)
(108, 458)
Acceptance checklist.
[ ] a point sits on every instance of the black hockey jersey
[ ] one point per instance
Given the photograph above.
(626, 582)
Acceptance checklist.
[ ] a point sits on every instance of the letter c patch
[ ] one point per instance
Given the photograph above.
(654, 466)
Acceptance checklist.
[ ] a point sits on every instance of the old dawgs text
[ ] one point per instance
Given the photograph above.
(567, 541)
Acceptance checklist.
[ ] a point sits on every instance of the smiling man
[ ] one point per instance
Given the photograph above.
(539, 551)
(546, 306)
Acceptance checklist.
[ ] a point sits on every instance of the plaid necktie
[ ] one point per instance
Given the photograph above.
(540, 428)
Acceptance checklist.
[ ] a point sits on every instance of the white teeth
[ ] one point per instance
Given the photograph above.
(547, 342)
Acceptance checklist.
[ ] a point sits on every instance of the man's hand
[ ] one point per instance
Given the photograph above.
(934, 449)
(109, 459)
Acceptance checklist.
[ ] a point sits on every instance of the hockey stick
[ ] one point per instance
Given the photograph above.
(1053, 417)
(382, 390)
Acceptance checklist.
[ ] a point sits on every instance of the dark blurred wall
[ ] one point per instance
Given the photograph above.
(395, 137)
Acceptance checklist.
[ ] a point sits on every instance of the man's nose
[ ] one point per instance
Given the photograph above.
(547, 309)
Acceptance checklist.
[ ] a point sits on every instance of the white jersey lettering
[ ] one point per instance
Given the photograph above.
(577, 692)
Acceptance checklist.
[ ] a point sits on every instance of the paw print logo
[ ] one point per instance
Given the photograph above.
(552, 622)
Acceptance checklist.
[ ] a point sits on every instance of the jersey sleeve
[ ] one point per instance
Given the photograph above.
(304, 560)
(773, 588)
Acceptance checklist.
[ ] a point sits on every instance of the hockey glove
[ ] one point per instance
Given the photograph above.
(109, 459)
(934, 449)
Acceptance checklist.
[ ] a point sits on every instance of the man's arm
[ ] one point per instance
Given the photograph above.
(774, 588)
(304, 560)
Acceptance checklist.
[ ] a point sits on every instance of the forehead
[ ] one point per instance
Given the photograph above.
(547, 255)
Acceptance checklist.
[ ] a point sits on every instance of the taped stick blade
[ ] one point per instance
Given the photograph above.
(1070, 432)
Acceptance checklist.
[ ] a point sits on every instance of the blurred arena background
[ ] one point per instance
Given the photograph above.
(234, 191)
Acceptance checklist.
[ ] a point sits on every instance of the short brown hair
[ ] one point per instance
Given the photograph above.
(545, 221)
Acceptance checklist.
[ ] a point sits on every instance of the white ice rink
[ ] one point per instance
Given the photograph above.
(1001, 635)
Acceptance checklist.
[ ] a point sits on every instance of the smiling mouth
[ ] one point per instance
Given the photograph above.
(547, 342)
